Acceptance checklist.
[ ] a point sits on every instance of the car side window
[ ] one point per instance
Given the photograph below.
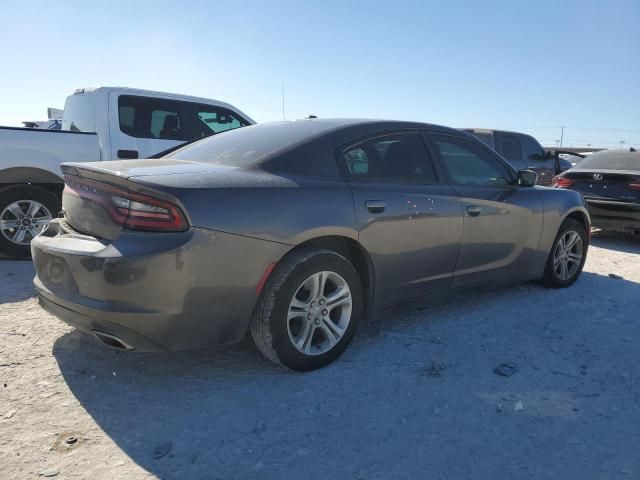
(148, 117)
(209, 120)
(469, 164)
(531, 150)
(510, 147)
(397, 157)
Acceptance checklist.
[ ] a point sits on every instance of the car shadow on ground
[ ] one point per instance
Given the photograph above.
(618, 242)
(16, 276)
(381, 411)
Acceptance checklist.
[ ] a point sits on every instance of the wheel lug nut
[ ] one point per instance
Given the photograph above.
(324, 312)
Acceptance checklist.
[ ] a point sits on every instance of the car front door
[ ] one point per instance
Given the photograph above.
(409, 219)
(502, 221)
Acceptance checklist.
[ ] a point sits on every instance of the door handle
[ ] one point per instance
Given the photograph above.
(474, 210)
(375, 206)
(127, 154)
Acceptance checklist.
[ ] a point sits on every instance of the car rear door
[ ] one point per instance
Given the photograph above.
(409, 219)
(141, 126)
(502, 221)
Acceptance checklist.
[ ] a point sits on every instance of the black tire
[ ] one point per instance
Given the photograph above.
(269, 324)
(24, 192)
(551, 277)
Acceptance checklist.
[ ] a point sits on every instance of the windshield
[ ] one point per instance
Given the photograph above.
(78, 113)
(612, 161)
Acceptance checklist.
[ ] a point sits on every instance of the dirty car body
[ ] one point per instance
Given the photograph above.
(174, 253)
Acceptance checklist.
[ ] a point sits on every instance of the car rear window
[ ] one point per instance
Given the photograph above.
(611, 161)
(251, 145)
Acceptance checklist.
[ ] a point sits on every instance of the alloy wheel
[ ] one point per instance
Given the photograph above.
(567, 256)
(21, 221)
(319, 313)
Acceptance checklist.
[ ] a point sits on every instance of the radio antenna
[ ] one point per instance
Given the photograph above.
(283, 117)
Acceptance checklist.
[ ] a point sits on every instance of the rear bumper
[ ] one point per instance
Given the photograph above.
(155, 292)
(612, 215)
(95, 326)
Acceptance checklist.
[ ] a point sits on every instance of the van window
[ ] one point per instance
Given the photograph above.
(147, 117)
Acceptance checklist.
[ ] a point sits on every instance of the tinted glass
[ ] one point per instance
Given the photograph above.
(510, 147)
(611, 161)
(531, 148)
(243, 147)
(147, 117)
(209, 120)
(484, 137)
(394, 157)
(470, 164)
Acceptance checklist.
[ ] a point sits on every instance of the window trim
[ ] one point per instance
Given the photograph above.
(470, 139)
(358, 142)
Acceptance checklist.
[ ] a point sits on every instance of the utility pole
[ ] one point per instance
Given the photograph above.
(561, 136)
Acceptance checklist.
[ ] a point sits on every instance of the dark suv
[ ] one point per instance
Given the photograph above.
(522, 151)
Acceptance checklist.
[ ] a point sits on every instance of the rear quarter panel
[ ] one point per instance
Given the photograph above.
(288, 210)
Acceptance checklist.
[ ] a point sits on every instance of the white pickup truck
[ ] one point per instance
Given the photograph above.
(105, 123)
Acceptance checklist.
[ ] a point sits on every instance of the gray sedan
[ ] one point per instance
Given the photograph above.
(295, 231)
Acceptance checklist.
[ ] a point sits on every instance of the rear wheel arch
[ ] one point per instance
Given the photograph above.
(356, 254)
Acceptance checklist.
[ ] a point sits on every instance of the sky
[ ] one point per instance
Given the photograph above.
(529, 65)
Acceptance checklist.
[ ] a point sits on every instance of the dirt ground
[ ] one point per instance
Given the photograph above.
(415, 396)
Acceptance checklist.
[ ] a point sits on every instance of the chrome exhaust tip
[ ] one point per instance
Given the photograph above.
(111, 341)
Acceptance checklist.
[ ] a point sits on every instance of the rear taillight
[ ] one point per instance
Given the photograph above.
(634, 185)
(562, 182)
(133, 211)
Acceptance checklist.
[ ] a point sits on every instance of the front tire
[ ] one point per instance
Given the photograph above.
(567, 256)
(309, 309)
(25, 210)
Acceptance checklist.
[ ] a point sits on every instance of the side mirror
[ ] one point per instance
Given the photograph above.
(527, 178)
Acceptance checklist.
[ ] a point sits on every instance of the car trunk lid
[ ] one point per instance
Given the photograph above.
(618, 185)
(101, 202)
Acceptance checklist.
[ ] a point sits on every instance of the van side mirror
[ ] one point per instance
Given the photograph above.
(527, 178)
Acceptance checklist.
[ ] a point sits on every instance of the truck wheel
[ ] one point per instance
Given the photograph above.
(24, 212)
(308, 310)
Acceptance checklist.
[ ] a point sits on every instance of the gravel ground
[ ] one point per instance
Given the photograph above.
(415, 396)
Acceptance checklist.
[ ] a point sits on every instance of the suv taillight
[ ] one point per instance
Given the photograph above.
(562, 182)
(634, 185)
(133, 211)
